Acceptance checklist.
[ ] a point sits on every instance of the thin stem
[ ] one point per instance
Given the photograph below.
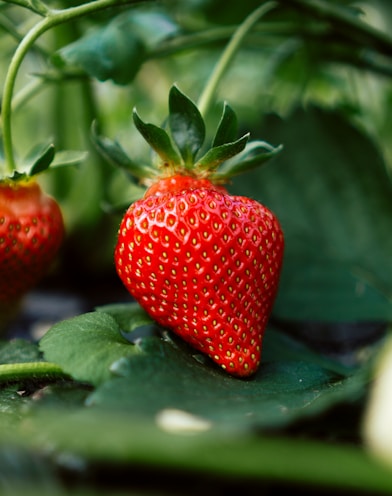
(14, 372)
(228, 54)
(53, 18)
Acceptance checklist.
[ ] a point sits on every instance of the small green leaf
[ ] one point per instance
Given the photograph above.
(215, 156)
(186, 125)
(86, 346)
(158, 139)
(113, 152)
(227, 127)
(43, 161)
(248, 160)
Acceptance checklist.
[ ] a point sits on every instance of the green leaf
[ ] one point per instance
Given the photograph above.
(152, 24)
(332, 193)
(136, 414)
(113, 152)
(113, 51)
(18, 351)
(334, 291)
(86, 346)
(221, 456)
(218, 154)
(159, 140)
(281, 392)
(250, 159)
(291, 383)
(186, 125)
(227, 127)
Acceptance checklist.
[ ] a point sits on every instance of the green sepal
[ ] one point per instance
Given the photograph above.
(159, 140)
(14, 177)
(227, 128)
(43, 161)
(180, 140)
(186, 125)
(65, 158)
(115, 154)
(50, 159)
(43, 158)
(215, 156)
(249, 159)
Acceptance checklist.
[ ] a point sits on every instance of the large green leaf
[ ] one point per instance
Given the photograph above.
(111, 52)
(333, 195)
(132, 442)
(159, 371)
(164, 377)
(320, 288)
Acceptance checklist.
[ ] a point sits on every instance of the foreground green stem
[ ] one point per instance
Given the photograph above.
(53, 18)
(14, 372)
(228, 55)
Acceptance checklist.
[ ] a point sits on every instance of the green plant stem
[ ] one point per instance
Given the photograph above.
(228, 55)
(14, 372)
(53, 18)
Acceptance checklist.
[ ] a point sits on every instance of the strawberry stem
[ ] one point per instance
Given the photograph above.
(51, 19)
(14, 372)
(228, 55)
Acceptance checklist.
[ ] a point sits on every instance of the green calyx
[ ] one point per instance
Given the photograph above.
(179, 145)
(41, 159)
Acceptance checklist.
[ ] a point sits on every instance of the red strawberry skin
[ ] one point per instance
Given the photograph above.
(31, 233)
(206, 265)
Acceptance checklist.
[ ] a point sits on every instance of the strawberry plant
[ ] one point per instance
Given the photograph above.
(176, 345)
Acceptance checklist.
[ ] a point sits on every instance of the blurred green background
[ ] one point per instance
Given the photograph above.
(314, 76)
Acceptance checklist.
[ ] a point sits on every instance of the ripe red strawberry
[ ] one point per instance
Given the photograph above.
(206, 265)
(31, 232)
(200, 261)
